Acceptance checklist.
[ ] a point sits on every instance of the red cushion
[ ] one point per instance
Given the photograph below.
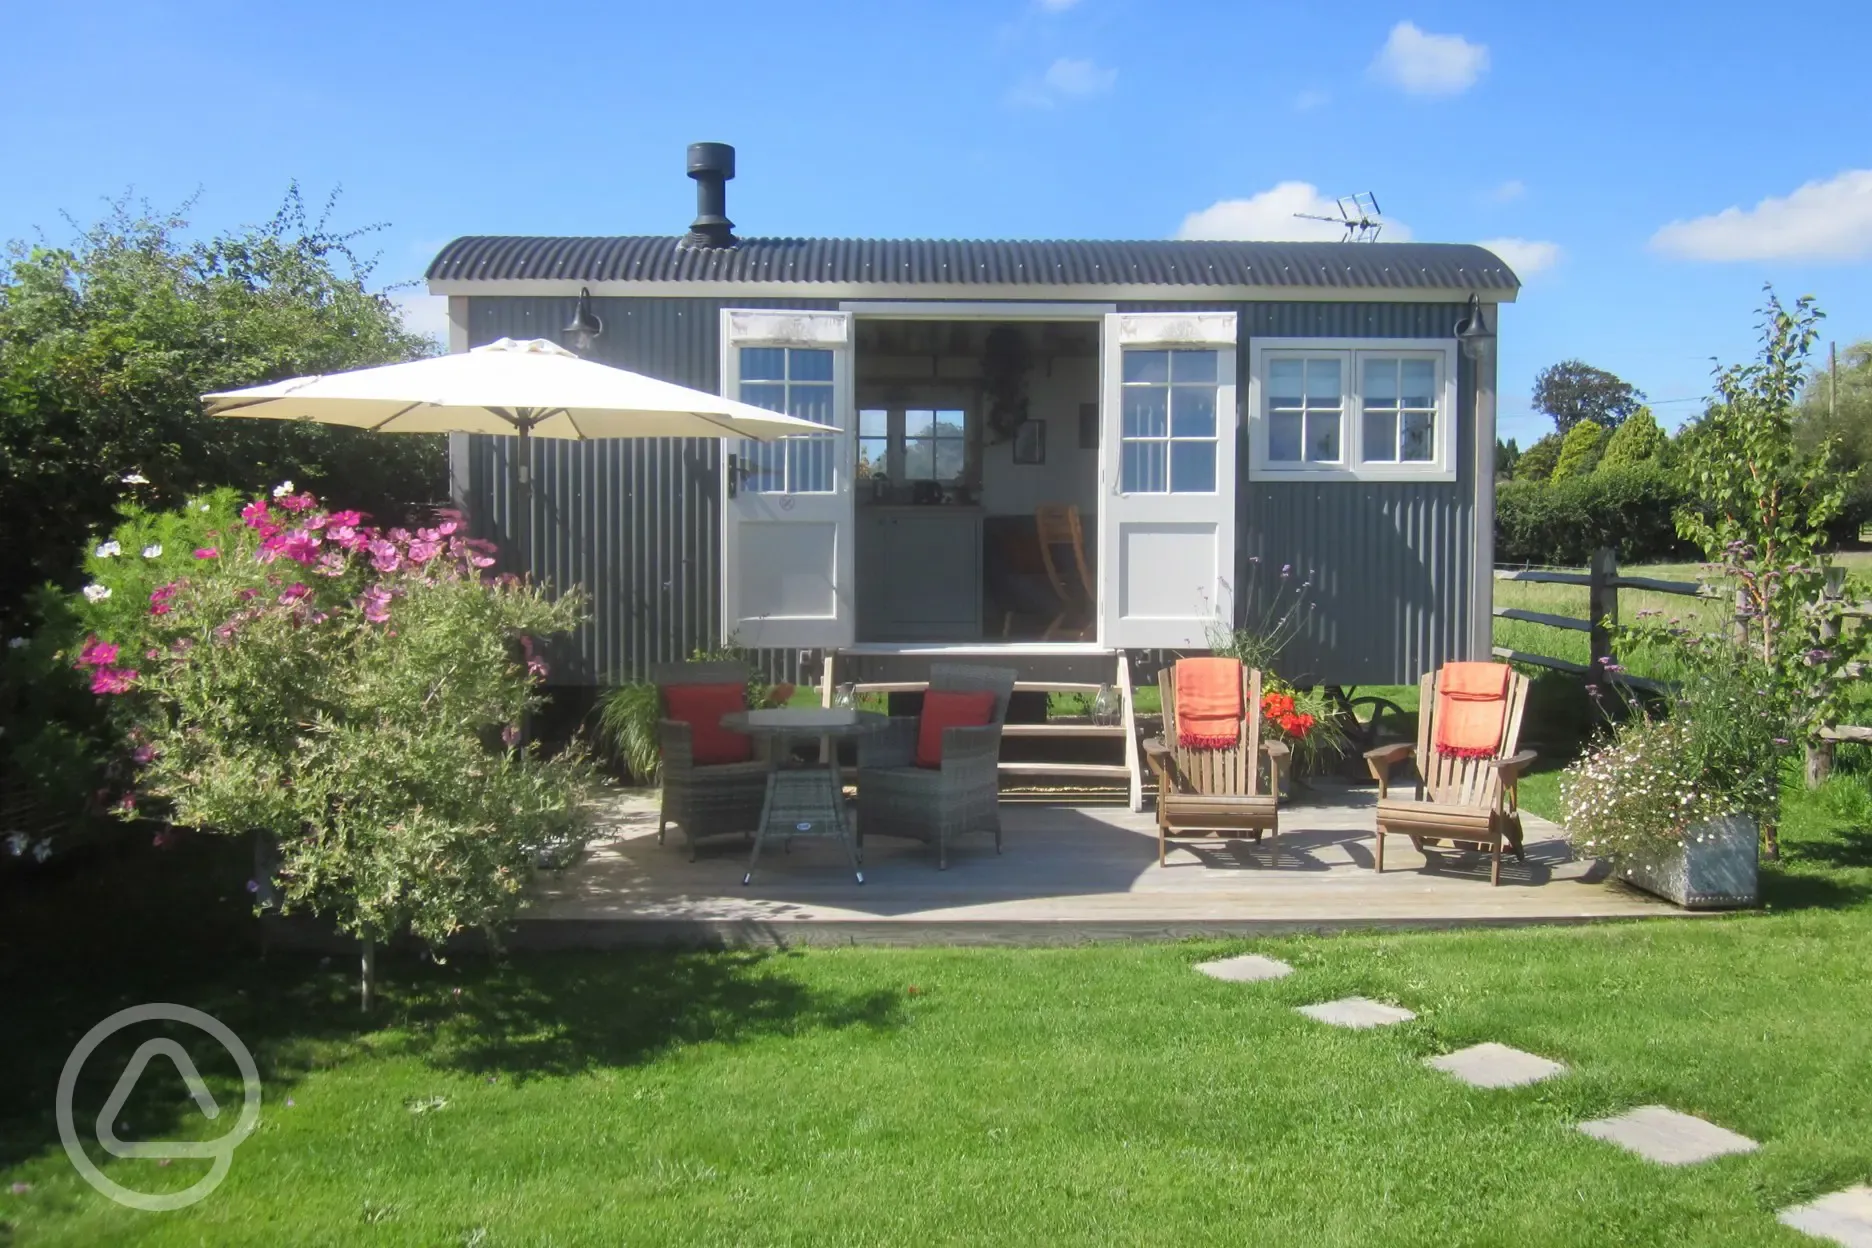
(702, 707)
(948, 710)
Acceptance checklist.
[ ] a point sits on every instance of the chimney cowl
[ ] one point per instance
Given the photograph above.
(711, 165)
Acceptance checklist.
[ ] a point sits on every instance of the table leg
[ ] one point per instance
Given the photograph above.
(760, 833)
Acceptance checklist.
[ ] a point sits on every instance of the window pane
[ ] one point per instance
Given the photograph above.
(917, 424)
(1419, 437)
(1285, 383)
(920, 459)
(810, 365)
(1141, 468)
(1192, 467)
(1192, 411)
(812, 403)
(1144, 412)
(1380, 436)
(949, 457)
(1284, 437)
(1380, 383)
(809, 464)
(1146, 366)
(1192, 366)
(763, 363)
(760, 394)
(1322, 434)
(764, 467)
(1323, 383)
(1419, 383)
(873, 422)
(873, 458)
(950, 423)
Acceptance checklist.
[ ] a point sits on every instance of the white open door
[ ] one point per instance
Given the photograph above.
(787, 521)
(1167, 474)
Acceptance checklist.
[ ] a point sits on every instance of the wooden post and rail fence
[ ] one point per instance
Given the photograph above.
(1603, 582)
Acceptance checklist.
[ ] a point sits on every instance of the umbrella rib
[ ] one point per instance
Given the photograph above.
(392, 416)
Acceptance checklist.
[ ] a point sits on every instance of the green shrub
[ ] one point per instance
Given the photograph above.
(1579, 450)
(1537, 462)
(1630, 509)
(627, 721)
(1638, 440)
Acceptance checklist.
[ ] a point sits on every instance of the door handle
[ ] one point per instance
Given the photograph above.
(734, 474)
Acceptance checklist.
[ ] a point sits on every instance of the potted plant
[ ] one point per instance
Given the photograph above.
(1677, 794)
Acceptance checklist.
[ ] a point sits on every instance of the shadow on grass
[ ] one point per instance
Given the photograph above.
(129, 926)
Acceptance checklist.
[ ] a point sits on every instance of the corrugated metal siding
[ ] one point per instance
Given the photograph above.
(1040, 262)
(637, 522)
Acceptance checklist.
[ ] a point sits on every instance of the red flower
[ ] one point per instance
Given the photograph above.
(97, 653)
(255, 513)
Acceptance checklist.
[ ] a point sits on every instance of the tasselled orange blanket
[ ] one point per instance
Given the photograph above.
(1208, 703)
(1472, 700)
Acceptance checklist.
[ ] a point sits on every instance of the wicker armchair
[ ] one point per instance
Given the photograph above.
(717, 800)
(898, 798)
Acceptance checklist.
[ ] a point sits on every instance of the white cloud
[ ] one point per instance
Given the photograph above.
(1065, 79)
(1509, 191)
(1420, 63)
(1270, 216)
(1309, 100)
(1829, 220)
(1526, 256)
(424, 314)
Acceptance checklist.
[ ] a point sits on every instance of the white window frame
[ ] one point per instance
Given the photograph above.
(1440, 467)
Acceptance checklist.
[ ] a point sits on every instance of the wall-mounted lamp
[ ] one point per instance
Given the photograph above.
(585, 324)
(1472, 331)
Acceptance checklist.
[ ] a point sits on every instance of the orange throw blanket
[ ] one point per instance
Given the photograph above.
(1472, 700)
(1208, 703)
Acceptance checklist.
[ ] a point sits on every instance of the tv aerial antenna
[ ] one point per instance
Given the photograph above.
(1359, 216)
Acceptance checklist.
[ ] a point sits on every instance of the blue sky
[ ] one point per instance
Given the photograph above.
(1609, 140)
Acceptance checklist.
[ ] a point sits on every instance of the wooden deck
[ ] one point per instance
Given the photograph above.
(1068, 874)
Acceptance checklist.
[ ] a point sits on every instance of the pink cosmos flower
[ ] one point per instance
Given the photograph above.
(331, 563)
(126, 805)
(375, 602)
(247, 594)
(298, 502)
(143, 755)
(207, 552)
(113, 679)
(300, 546)
(535, 665)
(510, 735)
(384, 556)
(294, 592)
(97, 653)
(421, 552)
(350, 519)
(255, 513)
(399, 535)
(448, 527)
(318, 522)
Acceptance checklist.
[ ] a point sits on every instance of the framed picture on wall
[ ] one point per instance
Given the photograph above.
(1030, 442)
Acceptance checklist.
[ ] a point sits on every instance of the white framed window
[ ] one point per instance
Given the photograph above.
(1341, 409)
(798, 382)
(904, 443)
(1168, 430)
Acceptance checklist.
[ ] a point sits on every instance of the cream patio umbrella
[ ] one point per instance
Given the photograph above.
(529, 389)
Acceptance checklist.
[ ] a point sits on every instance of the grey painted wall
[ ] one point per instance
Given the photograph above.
(637, 522)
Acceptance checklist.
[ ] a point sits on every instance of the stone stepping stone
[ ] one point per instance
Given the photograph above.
(1356, 1012)
(1247, 969)
(1661, 1134)
(1494, 1065)
(1844, 1217)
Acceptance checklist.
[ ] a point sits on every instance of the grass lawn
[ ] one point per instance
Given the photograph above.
(863, 1096)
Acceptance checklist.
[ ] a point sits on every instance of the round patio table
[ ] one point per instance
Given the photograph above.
(807, 799)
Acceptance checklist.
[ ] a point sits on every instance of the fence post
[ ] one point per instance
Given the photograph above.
(1602, 609)
(1819, 752)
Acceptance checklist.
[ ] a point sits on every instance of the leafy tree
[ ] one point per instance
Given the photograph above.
(1572, 391)
(1638, 441)
(1580, 451)
(1537, 462)
(1845, 421)
(1506, 453)
(107, 343)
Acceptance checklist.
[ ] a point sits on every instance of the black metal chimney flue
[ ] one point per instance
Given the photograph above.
(711, 165)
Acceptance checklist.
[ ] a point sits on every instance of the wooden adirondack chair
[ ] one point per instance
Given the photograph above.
(1215, 792)
(1462, 801)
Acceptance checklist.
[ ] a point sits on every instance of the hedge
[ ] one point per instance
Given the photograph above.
(1563, 522)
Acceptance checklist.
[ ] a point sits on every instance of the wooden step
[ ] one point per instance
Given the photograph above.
(1054, 728)
(1115, 771)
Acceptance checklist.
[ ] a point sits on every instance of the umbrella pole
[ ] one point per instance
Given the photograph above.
(521, 485)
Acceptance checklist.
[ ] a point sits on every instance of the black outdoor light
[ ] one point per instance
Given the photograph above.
(585, 324)
(1472, 331)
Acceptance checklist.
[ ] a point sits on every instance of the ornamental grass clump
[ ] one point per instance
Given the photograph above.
(1708, 748)
(353, 694)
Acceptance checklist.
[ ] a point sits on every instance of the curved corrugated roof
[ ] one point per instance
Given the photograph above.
(645, 258)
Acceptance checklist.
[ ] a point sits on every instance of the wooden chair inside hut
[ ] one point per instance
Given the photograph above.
(1209, 761)
(1467, 763)
(714, 780)
(1061, 535)
(937, 775)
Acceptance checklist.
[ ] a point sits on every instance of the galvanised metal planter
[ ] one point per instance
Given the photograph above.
(1714, 869)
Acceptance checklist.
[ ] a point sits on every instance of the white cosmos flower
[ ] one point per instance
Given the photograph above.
(204, 506)
(16, 643)
(96, 593)
(153, 551)
(134, 478)
(109, 550)
(282, 489)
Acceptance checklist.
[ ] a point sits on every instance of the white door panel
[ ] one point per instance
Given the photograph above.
(787, 520)
(1167, 470)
